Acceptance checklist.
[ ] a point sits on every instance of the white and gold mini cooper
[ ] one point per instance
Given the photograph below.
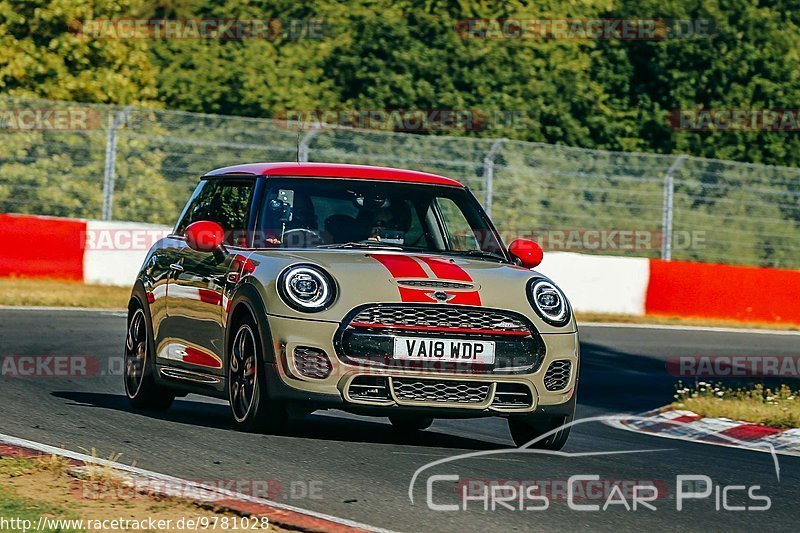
(290, 287)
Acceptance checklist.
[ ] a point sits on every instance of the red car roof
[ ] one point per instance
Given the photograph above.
(333, 170)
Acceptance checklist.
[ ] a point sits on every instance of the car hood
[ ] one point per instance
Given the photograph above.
(380, 276)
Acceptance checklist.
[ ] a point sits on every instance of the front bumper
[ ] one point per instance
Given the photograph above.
(441, 392)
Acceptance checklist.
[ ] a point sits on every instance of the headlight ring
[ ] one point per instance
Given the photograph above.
(306, 288)
(548, 301)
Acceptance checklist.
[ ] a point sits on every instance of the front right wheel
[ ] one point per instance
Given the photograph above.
(524, 429)
(251, 407)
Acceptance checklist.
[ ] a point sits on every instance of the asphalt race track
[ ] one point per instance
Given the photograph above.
(360, 469)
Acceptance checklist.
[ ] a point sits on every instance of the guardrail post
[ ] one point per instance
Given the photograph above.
(109, 174)
(488, 175)
(302, 146)
(666, 220)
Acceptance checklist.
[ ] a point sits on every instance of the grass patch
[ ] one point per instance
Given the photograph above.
(14, 506)
(51, 487)
(59, 293)
(779, 407)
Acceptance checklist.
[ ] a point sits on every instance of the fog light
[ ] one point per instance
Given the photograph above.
(312, 362)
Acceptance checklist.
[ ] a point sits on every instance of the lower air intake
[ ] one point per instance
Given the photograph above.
(557, 375)
(312, 362)
(440, 391)
(512, 396)
(369, 388)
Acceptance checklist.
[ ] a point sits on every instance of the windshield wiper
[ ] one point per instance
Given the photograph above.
(482, 253)
(361, 245)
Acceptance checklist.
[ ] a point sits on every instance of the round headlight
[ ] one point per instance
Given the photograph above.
(548, 302)
(306, 288)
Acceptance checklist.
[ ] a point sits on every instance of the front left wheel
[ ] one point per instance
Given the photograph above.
(251, 407)
(140, 386)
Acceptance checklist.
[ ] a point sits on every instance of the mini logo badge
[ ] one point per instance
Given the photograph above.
(443, 296)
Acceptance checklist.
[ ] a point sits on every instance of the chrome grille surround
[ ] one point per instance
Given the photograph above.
(557, 375)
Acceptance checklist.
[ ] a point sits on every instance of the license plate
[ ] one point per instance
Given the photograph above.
(463, 351)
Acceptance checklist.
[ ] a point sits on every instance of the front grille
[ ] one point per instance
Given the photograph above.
(557, 375)
(444, 391)
(367, 335)
(441, 316)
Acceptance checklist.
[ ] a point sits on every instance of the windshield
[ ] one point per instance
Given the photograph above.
(340, 213)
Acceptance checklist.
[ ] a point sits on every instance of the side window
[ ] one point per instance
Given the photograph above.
(456, 226)
(186, 216)
(224, 201)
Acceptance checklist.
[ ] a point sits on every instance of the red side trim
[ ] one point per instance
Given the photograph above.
(42, 247)
(444, 329)
(198, 357)
(445, 269)
(210, 297)
(681, 288)
(400, 266)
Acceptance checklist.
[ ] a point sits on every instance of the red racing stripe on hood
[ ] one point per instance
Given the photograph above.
(400, 266)
(446, 269)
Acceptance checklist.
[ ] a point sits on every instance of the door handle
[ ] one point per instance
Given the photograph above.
(177, 267)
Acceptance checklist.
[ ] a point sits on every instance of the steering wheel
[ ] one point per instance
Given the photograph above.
(302, 237)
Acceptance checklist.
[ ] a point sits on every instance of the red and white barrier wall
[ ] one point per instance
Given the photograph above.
(112, 252)
(106, 253)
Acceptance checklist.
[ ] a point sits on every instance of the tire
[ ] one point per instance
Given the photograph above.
(408, 423)
(251, 409)
(140, 386)
(525, 429)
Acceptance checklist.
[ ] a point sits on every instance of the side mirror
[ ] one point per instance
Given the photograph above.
(528, 252)
(204, 236)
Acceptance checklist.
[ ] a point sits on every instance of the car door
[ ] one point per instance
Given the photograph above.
(197, 287)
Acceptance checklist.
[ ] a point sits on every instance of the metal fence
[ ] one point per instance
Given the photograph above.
(140, 164)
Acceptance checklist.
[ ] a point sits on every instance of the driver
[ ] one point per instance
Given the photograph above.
(390, 222)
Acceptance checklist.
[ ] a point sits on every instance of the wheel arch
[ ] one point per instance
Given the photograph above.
(247, 301)
(138, 296)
